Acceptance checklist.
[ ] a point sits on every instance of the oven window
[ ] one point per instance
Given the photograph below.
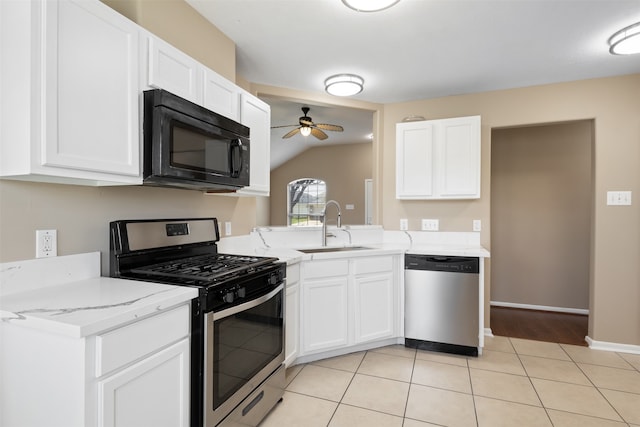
(244, 343)
(197, 150)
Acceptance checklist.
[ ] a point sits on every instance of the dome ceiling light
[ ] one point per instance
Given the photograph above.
(626, 41)
(369, 5)
(344, 84)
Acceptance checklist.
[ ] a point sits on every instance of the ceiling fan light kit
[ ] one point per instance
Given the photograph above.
(344, 84)
(369, 5)
(626, 41)
(305, 130)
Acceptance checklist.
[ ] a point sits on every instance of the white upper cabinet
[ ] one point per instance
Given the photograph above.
(69, 84)
(71, 80)
(438, 159)
(170, 69)
(256, 115)
(220, 95)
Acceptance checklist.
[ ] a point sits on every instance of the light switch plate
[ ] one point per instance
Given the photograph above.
(619, 198)
(227, 228)
(477, 225)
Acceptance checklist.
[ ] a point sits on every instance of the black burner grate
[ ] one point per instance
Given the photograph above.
(205, 268)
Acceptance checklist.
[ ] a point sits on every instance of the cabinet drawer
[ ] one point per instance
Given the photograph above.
(373, 264)
(325, 268)
(124, 345)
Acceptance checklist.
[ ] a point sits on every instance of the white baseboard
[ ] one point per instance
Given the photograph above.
(612, 346)
(540, 307)
(488, 332)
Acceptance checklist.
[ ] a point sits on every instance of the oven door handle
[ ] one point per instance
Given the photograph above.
(247, 305)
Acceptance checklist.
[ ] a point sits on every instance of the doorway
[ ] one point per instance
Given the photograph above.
(541, 207)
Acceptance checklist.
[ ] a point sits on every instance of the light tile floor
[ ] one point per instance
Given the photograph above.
(515, 382)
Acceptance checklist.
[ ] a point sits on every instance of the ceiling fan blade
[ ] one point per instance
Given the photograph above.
(318, 134)
(293, 132)
(283, 126)
(326, 126)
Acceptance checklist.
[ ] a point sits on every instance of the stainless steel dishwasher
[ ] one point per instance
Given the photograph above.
(441, 303)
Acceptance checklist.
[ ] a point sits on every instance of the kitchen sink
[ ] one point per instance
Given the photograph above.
(334, 249)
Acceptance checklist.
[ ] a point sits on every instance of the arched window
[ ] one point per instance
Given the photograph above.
(306, 198)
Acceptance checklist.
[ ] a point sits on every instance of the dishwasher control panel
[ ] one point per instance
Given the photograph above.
(454, 264)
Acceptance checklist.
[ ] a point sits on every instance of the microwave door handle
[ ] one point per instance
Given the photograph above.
(236, 145)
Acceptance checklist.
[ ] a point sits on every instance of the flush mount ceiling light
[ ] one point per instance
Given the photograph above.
(626, 41)
(344, 84)
(369, 5)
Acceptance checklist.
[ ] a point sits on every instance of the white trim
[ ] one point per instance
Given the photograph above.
(488, 332)
(612, 346)
(540, 307)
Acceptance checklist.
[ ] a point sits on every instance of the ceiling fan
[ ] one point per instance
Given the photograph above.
(306, 127)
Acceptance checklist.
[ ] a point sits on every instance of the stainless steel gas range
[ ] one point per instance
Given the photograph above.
(237, 339)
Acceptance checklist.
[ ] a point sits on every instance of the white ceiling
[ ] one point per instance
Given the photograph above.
(420, 49)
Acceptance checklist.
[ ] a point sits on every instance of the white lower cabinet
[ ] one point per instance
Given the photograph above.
(373, 309)
(292, 314)
(346, 302)
(325, 314)
(162, 380)
(136, 375)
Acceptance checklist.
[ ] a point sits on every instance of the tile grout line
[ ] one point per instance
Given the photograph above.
(546, 410)
(473, 395)
(406, 401)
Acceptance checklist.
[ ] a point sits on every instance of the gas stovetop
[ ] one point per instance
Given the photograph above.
(181, 252)
(205, 269)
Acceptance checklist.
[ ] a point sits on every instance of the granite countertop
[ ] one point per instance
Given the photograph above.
(81, 306)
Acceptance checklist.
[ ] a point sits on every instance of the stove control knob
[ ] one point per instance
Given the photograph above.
(241, 292)
(227, 296)
(273, 279)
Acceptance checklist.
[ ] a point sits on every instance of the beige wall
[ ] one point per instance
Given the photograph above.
(81, 214)
(541, 214)
(613, 105)
(343, 167)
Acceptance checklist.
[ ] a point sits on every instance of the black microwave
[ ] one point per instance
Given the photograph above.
(188, 146)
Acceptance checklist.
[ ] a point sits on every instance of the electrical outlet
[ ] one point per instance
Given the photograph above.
(477, 225)
(46, 243)
(227, 228)
(430, 225)
(404, 224)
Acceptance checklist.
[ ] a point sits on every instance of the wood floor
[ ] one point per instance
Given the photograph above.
(537, 325)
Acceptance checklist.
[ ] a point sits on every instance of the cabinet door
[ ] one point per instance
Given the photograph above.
(458, 154)
(414, 160)
(90, 88)
(373, 309)
(173, 70)
(256, 114)
(324, 314)
(292, 321)
(152, 392)
(220, 95)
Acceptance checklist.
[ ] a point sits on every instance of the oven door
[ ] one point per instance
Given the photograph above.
(244, 346)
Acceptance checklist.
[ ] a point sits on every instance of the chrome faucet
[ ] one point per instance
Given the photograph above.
(324, 220)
